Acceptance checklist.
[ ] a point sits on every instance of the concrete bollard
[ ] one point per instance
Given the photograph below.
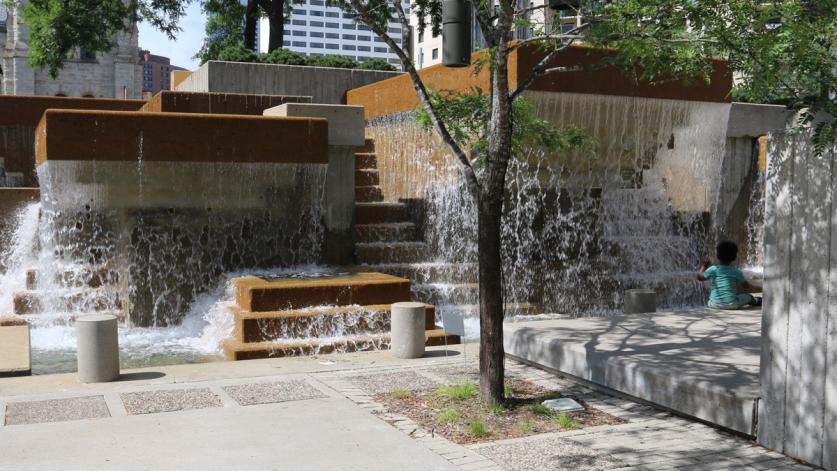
(98, 348)
(637, 301)
(407, 339)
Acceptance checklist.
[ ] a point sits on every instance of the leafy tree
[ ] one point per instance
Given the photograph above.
(376, 63)
(238, 53)
(332, 60)
(224, 27)
(666, 38)
(283, 56)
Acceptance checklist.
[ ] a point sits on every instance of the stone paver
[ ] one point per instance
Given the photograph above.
(169, 400)
(265, 393)
(56, 410)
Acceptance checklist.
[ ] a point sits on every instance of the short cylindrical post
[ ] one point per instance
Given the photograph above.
(407, 340)
(637, 301)
(456, 33)
(98, 348)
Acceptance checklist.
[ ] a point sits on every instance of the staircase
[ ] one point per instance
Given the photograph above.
(341, 313)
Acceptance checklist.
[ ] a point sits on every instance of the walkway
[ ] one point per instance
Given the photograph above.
(318, 413)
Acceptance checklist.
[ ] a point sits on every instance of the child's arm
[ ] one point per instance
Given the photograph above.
(704, 264)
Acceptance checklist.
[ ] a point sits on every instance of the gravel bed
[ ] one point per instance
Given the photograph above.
(170, 400)
(265, 393)
(56, 410)
(381, 383)
(548, 454)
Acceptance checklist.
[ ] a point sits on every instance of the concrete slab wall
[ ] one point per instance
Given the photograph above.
(168, 101)
(798, 410)
(324, 84)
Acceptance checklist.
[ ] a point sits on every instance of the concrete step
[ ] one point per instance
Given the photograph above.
(368, 194)
(90, 300)
(259, 294)
(366, 161)
(387, 232)
(15, 352)
(317, 322)
(380, 213)
(374, 253)
(368, 146)
(367, 178)
(446, 293)
(431, 272)
(235, 350)
(90, 277)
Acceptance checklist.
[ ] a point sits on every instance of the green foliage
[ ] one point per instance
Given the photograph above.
(237, 53)
(448, 416)
(540, 409)
(401, 394)
(564, 421)
(458, 392)
(376, 63)
(224, 27)
(283, 56)
(466, 114)
(478, 429)
(332, 60)
(496, 409)
(508, 391)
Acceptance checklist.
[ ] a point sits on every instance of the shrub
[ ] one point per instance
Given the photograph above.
(376, 63)
(332, 60)
(564, 421)
(458, 392)
(237, 53)
(448, 416)
(283, 56)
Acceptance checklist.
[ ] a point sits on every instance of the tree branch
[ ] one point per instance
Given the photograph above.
(540, 68)
(546, 37)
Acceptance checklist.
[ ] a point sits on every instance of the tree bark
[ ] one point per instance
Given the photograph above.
(492, 369)
(251, 18)
(276, 19)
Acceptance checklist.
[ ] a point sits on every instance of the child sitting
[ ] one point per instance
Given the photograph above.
(726, 280)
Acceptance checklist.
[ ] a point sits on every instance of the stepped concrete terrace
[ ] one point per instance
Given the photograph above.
(304, 316)
(700, 363)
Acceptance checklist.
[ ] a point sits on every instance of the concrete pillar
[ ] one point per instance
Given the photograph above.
(345, 134)
(636, 301)
(407, 330)
(98, 348)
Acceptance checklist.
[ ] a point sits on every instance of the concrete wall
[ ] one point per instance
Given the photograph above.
(798, 410)
(325, 85)
(168, 101)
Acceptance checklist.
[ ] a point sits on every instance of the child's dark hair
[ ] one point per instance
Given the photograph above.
(727, 251)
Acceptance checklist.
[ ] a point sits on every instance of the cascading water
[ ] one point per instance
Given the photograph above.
(578, 228)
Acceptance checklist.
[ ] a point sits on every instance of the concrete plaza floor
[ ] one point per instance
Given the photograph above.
(319, 413)
(700, 362)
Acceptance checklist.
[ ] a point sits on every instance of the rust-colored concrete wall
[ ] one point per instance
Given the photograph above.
(179, 137)
(217, 103)
(20, 114)
(396, 95)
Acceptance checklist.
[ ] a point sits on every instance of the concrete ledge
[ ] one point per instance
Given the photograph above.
(754, 120)
(697, 363)
(178, 137)
(346, 125)
(168, 101)
(27, 110)
(15, 359)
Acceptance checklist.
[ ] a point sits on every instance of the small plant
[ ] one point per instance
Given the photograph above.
(540, 409)
(401, 394)
(508, 390)
(448, 416)
(458, 392)
(564, 421)
(477, 429)
(524, 427)
(496, 409)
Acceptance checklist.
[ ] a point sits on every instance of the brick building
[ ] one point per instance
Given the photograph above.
(156, 72)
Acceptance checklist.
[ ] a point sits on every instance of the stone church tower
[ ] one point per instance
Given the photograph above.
(113, 74)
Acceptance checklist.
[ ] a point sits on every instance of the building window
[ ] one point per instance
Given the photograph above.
(378, 40)
(332, 46)
(286, 43)
(349, 16)
(363, 38)
(348, 26)
(317, 3)
(86, 55)
(332, 14)
(363, 28)
(349, 37)
(394, 30)
(435, 54)
(332, 25)
(421, 36)
(299, 22)
(362, 58)
(381, 50)
(349, 47)
(299, 33)
(299, 44)
(317, 24)
(299, 12)
(315, 13)
(316, 34)
(364, 48)
(316, 45)
(332, 36)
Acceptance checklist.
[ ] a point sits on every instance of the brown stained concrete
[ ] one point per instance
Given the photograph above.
(168, 101)
(397, 94)
(256, 294)
(258, 326)
(14, 350)
(179, 137)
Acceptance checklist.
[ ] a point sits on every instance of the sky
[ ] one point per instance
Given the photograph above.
(188, 41)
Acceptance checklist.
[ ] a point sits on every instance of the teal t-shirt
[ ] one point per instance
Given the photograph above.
(725, 280)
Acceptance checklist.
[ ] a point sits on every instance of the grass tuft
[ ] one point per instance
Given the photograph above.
(477, 429)
(496, 409)
(524, 427)
(540, 409)
(458, 392)
(448, 416)
(564, 421)
(401, 394)
(508, 391)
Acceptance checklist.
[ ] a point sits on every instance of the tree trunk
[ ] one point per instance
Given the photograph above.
(251, 18)
(490, 209)
(276, 19)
